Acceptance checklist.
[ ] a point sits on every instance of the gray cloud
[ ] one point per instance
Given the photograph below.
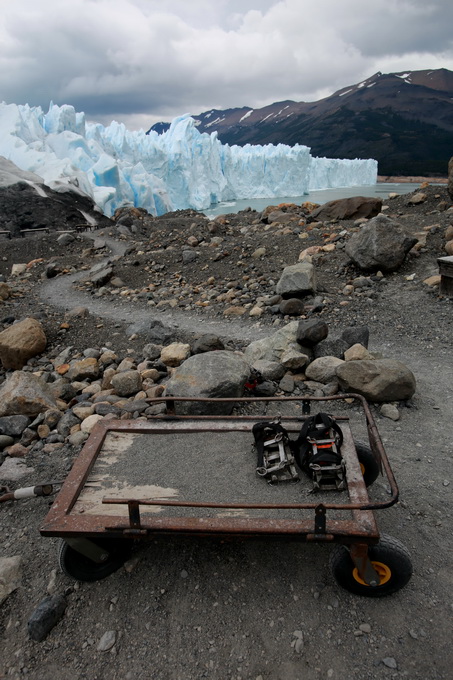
(139, 61)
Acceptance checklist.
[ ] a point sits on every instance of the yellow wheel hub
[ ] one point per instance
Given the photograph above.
(362, 467)
(383, 571)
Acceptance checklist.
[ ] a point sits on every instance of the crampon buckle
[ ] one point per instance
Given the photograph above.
(327, 476)
(278, 461)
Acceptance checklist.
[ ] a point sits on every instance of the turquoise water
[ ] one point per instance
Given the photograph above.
(320, 196)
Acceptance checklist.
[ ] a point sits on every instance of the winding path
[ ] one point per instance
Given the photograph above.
(59, 292)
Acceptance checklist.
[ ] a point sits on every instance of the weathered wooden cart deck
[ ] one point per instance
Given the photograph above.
(196, 475)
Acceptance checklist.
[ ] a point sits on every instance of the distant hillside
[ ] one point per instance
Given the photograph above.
(404, 120)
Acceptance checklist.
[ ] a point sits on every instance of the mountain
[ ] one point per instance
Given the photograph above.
(404, 120)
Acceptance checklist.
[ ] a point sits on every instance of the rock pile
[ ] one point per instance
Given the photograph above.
(58, 400)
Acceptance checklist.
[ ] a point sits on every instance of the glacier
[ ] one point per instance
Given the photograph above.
(182, 168)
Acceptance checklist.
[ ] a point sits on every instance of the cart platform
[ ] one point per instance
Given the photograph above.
(195, 475)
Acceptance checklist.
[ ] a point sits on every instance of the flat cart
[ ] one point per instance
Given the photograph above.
(194, 475)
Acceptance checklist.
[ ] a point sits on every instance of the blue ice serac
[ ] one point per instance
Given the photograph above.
(181, 168)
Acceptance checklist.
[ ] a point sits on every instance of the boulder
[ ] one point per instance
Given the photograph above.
(90, 422)
(377, 380)
(292, 360)
(335, 347)
(282, 217)
(207, 343)
(13, 426)
(220, 374)
(85, 368)
(46, 616)
(417, 198)
(154, 331)
(311, 331)
(66, 423)
(13, 469)
(357, 353)
(348, 209)
(25, 394)
(292, 307)
(20, 342)
(100, 273)
(297, 280)
(274, 346)
(356, 334)
(323, 370)
(126, 383)
(382, 244)
(269, 370)
(174, 354)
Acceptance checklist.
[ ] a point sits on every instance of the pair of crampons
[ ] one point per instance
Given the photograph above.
(316, 452)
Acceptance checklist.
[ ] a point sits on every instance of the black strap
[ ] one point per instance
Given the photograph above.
(263, 431)
(303, 448)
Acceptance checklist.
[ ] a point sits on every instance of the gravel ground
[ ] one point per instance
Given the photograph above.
(191, 608)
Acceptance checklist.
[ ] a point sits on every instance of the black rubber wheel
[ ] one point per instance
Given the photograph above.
(81, 568)
(390, 559)
(368, 463)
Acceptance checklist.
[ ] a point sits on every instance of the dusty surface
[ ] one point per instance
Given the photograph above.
(191, 608)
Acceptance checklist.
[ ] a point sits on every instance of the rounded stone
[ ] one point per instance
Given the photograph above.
(89, 423)
(5, 440)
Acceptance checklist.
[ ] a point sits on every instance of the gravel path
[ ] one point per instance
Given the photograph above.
(60, 293)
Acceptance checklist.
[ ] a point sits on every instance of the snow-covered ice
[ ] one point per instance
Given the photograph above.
(181, 168)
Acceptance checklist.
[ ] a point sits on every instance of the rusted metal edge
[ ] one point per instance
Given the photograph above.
(343, 531)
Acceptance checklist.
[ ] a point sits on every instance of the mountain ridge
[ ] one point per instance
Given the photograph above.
(404, 120)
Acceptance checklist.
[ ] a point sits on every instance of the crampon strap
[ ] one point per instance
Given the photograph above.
(318, 443)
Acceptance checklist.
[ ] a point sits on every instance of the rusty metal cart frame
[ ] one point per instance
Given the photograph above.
(369, 565)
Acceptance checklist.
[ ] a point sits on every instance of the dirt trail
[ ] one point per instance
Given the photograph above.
(60, 293)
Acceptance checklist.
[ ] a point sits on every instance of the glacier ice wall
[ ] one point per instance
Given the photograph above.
(179, 169)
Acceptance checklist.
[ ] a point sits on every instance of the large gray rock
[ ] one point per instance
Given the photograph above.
(66, 422)
(25, 394)
(276, 345)
(219, 374)
(377, 380)
(311, 331)
(87, 368)
(381, 244)
(323, 370)
(13, 425)
(356, 334)
(46, 616)
(126, 383)
(13, 469)
(154, 331)
(331, 347)
(20, 342)
(297, 280)
(348, 209)
(270, 370)
(207, 343)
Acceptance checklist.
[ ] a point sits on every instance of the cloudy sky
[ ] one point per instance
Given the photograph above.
(140, 61)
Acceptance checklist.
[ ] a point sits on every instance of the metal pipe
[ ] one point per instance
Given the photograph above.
(29, 492)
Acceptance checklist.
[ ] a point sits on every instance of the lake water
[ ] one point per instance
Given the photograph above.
(381, 190)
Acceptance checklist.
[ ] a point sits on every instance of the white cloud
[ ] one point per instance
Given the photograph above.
(144, 60)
